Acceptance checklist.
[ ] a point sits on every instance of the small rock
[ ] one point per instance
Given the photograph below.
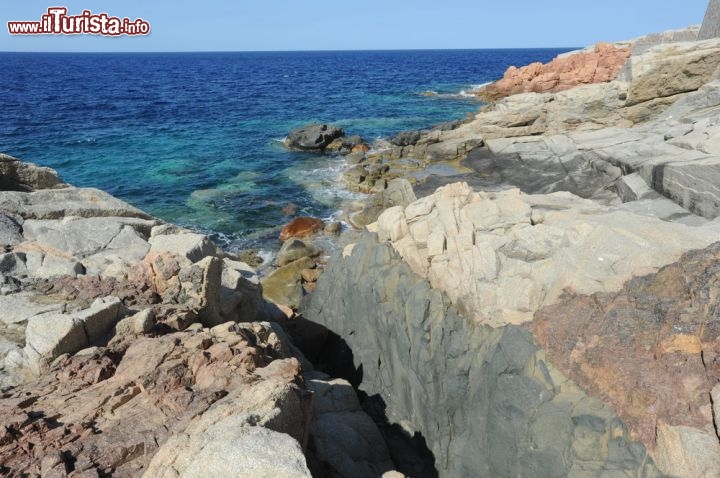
(407, 138)
(140, 323)
(360, 148)
(311, 275)
(192, 246)
(294, 249)
(249, 257)
(355, 157)
(283, 285)
(334, 228)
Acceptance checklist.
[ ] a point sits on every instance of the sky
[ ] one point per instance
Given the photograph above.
(261, 25)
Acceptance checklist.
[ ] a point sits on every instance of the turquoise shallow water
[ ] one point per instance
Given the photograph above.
(195, 138)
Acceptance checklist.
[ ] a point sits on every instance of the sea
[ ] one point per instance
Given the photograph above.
(196, 138)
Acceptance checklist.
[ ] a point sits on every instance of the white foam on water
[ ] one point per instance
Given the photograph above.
(325, 182)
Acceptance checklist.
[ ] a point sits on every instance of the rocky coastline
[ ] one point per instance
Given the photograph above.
(531, 291)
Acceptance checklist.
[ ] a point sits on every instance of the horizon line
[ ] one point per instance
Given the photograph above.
(295, 51)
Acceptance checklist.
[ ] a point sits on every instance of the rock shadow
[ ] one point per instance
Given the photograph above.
(331, 354)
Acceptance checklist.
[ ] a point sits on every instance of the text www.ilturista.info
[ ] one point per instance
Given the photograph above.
(58, 22)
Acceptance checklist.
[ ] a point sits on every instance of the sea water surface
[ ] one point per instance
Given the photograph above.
(195, 138)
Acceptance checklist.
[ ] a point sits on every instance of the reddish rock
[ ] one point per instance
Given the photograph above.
(562, 73)
(301, 227)
(360, 148)
(109, 413)
(651, 350)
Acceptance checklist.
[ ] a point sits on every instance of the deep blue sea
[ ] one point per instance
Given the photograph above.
(194, 138)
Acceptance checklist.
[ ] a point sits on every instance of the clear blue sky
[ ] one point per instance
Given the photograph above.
(245, 25)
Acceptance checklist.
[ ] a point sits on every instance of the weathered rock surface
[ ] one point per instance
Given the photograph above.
(564, 72)
(16, 175)
(210, 402)
(314, 137)
(62, 203)
(500, 256)
(649, 350)
(486, 400)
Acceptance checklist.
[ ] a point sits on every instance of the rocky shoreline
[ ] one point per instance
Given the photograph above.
(531, 291)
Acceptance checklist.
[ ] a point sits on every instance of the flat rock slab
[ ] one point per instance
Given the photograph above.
(61, 203)
(18, 308)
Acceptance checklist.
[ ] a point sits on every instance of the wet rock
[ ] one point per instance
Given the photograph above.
(360, 148)
(294, 249)
(301, 227)
(355, 157)
(311, 275)
(250, 257)
(406, 138)
(356, 175)
(314, 137)
(283, 286)
(333, 228)
(399, 192)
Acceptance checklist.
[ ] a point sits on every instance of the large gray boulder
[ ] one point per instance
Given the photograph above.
(314, 137)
